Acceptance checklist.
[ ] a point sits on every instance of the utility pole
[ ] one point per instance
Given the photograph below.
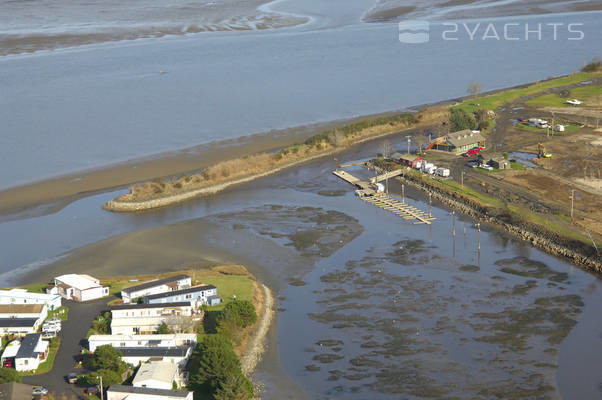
(403, 194)
(462, 179)
(479, 240)
(454, 224)
(409, 140)
(102, 396)
(430, 204)
(572, 201)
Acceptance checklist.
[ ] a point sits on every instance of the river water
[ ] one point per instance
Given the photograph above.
(68, 110)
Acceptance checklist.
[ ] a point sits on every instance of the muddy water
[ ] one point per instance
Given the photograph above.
(370, 306)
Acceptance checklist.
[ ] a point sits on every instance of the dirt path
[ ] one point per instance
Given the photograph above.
(255, 347)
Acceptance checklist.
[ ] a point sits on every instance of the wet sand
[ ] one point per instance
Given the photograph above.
(397, 10)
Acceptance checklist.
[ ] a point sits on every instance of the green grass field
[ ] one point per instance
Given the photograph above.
(568, 128)
(591, 95)
(228, 286)
(491, 102)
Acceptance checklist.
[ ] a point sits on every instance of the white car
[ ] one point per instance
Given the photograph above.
(574, 102)
(487, 167)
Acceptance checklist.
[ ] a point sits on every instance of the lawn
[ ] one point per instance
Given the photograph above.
(36, 287)
(568, 127)
(493, 101)
(46, 366)
(468, 192)
(591, 95)
(228, 286)
(61, 313)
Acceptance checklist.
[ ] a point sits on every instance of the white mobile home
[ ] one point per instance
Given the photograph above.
(198, 295)
(136, 319)
(29, 311)
(19, 326)
(170, 284)
(169, 340)
(78, 287)
(174, 355)
(121, 392)
(157, 375)
(32, 351)
(22, 296)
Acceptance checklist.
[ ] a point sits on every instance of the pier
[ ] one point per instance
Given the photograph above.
(368, 193)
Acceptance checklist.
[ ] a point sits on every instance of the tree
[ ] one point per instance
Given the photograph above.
(163, 329)
(241, 311)
(460, 120)
(106, 357)
(420, 141)
(217, 361)
(474, 88)
(234, 387)
(9, 375)
(386, 149)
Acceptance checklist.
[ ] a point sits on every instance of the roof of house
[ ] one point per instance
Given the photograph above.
(11, 349)
(156, 370)
(158, 282)
(462, 138)
(153, 351)
(21, 308)
(122, 338)
(409, 157)
(15, 391)
(18, 322)
(28, 346)
(142, 306)
(24, 293)
(192, 289)
(149, 391)
(81, 282)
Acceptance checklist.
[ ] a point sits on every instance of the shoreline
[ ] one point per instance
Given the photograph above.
(554, 245)
(252, 354)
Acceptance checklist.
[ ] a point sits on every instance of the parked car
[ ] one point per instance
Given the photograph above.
(574, 102)
(92, 390)
(473, 151)
(444, 172)
(71, 378)
(8, 364)
(522, 120)
(39, 391)
(487, 167)
(472, 164)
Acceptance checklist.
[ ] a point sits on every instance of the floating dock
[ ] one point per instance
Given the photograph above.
(369, 194)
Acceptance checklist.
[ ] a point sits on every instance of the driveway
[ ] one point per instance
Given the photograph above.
(73, 334)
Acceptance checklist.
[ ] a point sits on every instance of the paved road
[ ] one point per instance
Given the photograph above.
(72, 335)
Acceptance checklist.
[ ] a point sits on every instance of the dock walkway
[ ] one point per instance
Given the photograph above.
(368, 194)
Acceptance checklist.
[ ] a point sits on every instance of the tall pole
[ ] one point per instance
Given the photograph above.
(572, 201)
(430, 204)
(462, 179)
(102, 396)
(403, 194)
(479, 229)
(409, 139)
(454, 224)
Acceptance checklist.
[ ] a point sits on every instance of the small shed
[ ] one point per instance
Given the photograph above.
(499, 162)
(410, 160)
(214, 300)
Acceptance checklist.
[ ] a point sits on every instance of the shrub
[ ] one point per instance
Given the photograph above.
(593, 66)
(163, 329)
(109, 378)
(241, 311)
(460, 120)
(106, 357)
(9, 375)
